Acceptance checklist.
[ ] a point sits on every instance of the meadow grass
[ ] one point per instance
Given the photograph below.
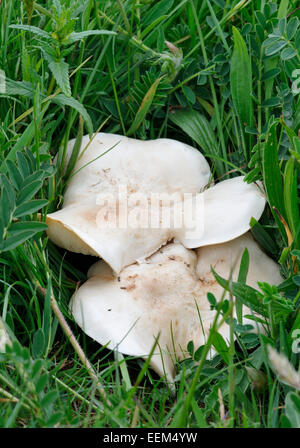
(229, 85)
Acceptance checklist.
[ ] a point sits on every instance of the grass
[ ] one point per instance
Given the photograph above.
(225, 86)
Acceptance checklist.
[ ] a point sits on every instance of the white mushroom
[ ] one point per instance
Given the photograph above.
(160, 297)
(224, 256)
(108, 205)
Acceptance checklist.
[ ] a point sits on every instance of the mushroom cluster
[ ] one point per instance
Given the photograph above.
(144, 208)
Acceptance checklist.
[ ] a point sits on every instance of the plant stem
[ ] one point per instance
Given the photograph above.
(68, 332)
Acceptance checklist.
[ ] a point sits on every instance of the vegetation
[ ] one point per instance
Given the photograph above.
(220, 75)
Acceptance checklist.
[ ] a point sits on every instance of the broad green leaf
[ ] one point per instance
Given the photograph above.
(241, 81)
(262, 236)
(199, 414)
(292, 27)
(36, 369)
(13, 241)
(54, 419)
(281, 25)
(288, 53)
(5, 211)
(39, 175)
(22, 226)
(8, 190)
(32, 29)
(270, 74)
(23, 88)
(14, 174)
(144, 107)
(74, 37)
(60, 71)
(196, 126)
(41, 383)
(292, 409)
(48, 399)
(221, 347)
(272, 176)
(23, 140)
(269, 65)
(296, 280)
(38, 343)
(271, 102)
(242, 277)
(30, 207)
(189, 94)
(275, 47)
(248, 295)
(62, 100)
(244, 267)
(284, 422)
(291, 196)
(283, 9)
(23, 164)
(29, 191)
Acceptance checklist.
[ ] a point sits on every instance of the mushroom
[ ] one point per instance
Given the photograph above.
(108, 204)
(163, 297)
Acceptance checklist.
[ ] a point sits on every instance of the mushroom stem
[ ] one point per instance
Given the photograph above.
(68, 332)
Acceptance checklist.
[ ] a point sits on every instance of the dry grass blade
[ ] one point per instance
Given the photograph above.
(68, 332)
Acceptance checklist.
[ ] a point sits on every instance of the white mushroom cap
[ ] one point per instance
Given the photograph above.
(226, 257)
(145, 167)
(223, 214)
(159, 297)
(86, 224)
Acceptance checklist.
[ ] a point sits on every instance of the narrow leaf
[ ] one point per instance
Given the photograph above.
(32, 29)
(74, 37)
(197, 127)
(291, 196)
(29, 191)
(241, 80)
(13, 241)
(144, 107)
(30, 207)
(22, 226)
(247, 294)
(62, 100)
(272, 175)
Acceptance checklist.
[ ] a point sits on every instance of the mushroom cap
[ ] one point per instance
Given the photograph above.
(143, 167)
(221, 213)
(226, 257)
(127, 176)
(163, 296)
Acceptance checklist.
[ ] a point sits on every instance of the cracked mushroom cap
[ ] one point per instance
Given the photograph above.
(162, 296)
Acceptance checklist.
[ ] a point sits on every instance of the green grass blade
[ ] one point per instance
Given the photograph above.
(144, 107)
(291, 196)
(241, 82)
(272, 176)
(197, 127)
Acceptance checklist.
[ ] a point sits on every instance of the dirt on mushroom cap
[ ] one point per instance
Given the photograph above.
(163, 296)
